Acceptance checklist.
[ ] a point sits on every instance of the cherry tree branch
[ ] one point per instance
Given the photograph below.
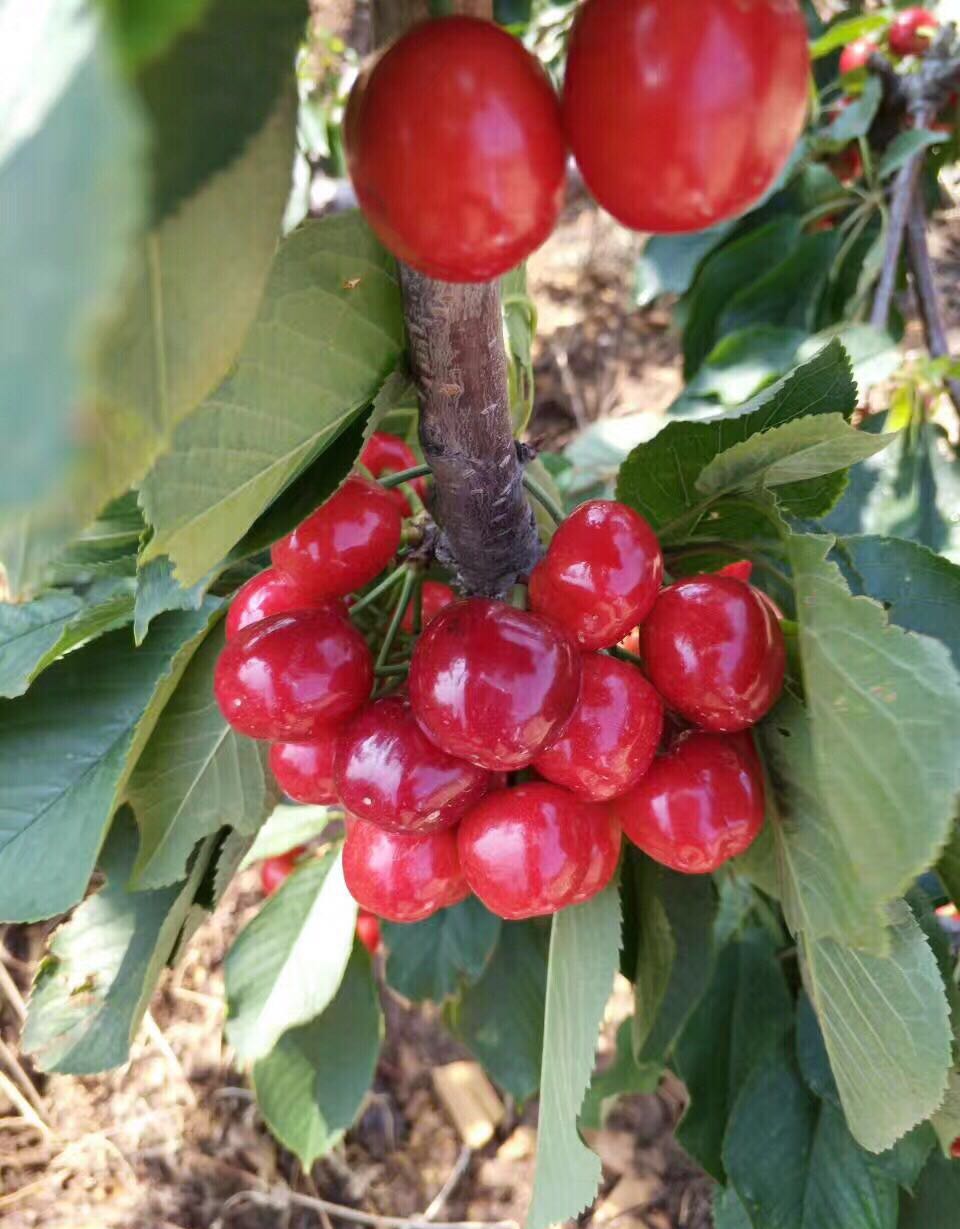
(921, 267)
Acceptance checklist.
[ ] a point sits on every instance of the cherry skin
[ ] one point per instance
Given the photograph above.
(368, 931)
(402, 878)
(456, 150)
(741, 570)
(600, 575)
(304, 771)
(492, 684)
(436, 595)
(269, 593)
(526, 851)
(714, 650)
(955, 1149)
(655, 88)
(388, 772)
(911, 31)
(605, 842)
(856, 55)
(286, 678)
(700, 804)
(276, 871)
(611, 737)
(344, 544)
(386, 454)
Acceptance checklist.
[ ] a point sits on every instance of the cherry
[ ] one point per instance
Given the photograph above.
(276, 871)
(955, 1149)
(456, 151)
(912, 31)
(399, 877)
(856, 55)
(742, 569)
(493, 684)
(269, 593)
(600, 575)
(525, 851)
(699, 805)
(304, 771)
(368, 931)
(435, 596)
(388, 454)
(345, 543)
(847, 165)
(610, 738)
(388, 772)
(287, 677)
(654, 89)
(714, 650)
(605, 842)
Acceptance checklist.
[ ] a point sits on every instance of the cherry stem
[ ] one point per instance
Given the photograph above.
(544, 499)
(369, 598)
(389, 671)
(625, 655)
(389, 481)
(418, 607)
(406, 592)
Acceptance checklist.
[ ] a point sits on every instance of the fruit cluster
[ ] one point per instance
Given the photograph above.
(510, 748)
(457, 143)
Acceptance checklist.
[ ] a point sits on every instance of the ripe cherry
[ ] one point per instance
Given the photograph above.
(435, 596)
(388, 454)
(368, 931)
(402, 878)
(525, 851)
(456, 151)
(388, 772)
(304, 771)
(856, 55)
(287, 677)
(600, 575)
(742, 569)
(847, 165)
(345, 543)
(276, 871)
(493, 684)
(605, 842)
(269, 593)
(699, 805)
(654, 89)
(714, 650)
(611, 737)
(912, 31)
(955, 1149)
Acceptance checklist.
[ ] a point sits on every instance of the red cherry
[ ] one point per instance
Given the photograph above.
(600, 575)
(388, 772)
(304, 771)
(847, 165)
(436, 595)
(605, 842)
(955, 1149)
(741, 570)
(456, 150)
(714, 650)
(286, 678)
(402, 878)
(912, 31)
(269, 593)
(699, 805)
(856, 55)
(276, 871)
(368, 931)
(388, 454)
(345, 543)
(654, 89)
(525, 851)
(492, 684)
(611, 736)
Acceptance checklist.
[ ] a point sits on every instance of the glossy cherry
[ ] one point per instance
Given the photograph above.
(388, 772)
(436, 595)
(368, 931)
(525, 851)
(304, 771)
(611, 737)
(605, 842)
(600, 575)
(402, 878)
(856, 55)
(269, 593)
(912, 31)
(456, 151)
(385, 454)
(681, 115)
(700, 804)
(493, 684)
(742, 569)
(345, 543)
(276, 871)
(286, 678)
(714, 650)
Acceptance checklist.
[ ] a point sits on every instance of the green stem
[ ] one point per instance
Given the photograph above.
(389, 481)
(409, 580)
(625, 655)
(542, 498)
(369, 598)
(389, 671)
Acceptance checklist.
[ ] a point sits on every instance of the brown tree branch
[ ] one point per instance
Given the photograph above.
(921, 267)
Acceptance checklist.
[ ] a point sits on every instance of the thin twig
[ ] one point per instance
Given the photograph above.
(279, 1199)
(544, 498)
(21, 1077)
(925, 286)
(20, 1102)
(156, 1037)
(438, 1202)
(11, 993)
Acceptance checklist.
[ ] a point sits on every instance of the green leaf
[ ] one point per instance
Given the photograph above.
(66, 751)
(431, 959)
(669, 262)
(938, 1195)
(234, 849)
(196, 775)
(622, 1077)
(789, 293)
(158, 591)
(319, 350)
(948, 868)
(285, 828)
(728, 1210)
(856, 120)
(500, 1017)
(584, 949)
(738, 367)
(847, 31)
(311, 1086)
(286, 965)
(143, 28)
(106, 548)
(93, 987)
(902, 148)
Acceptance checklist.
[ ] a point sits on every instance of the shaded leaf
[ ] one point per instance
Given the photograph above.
(623, 1076)
(431, 959)
(157, 591)
(790, 292)
(669, 262)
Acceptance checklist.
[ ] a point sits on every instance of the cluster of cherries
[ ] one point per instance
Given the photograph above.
(510, 750)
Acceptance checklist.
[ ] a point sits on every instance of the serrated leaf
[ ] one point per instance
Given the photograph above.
(329, 331)
(93, 987)
(196, 775)
(158, 591)
(66, 751)
(287, 964)
(433, 958)
(584, 950)
(285, 828)
(311, 1086)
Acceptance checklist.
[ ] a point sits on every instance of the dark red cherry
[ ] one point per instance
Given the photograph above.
(304, 771)
(714, 650)
(368, 931)
(402, 878)
(388, 772)
(700, 804)
(286, 678)
(344, 544)
(385, 454)
(605, 842)
(276, 871)
(492, 684)
(436, 595)
(600, 575)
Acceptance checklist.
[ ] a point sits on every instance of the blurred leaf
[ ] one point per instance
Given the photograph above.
(433, 958)
(234, 849)
(948, 868)
(738, 367)
(728, 1210)
(789, 293)
(623, 1076)
(286, 828)
(846, 31)
(855, 120)
(902, 148)
(937, 1197)
(144, 28)
(157, 591)
(669, 262)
